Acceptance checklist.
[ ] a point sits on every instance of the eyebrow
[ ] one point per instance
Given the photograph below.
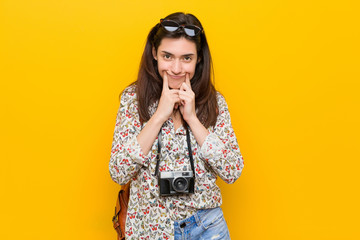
(185, 55)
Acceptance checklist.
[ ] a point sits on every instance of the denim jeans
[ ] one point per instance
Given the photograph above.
(206, 224)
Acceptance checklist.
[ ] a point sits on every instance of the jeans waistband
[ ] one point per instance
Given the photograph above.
(196, 218)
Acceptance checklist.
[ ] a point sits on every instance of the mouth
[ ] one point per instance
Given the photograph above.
(176, 77)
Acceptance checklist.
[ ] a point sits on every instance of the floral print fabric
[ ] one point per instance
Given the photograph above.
(149, 215)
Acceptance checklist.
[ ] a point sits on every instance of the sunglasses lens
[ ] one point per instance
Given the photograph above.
(170, 26)
(191, 31)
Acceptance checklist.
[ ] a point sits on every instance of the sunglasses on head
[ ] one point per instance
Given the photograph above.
(172, 26)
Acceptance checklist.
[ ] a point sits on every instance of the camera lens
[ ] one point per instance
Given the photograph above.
(180, 184)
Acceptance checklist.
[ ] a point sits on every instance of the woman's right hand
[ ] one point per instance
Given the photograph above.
(168, 101)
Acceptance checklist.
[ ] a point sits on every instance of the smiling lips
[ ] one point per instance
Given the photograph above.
(176, 77)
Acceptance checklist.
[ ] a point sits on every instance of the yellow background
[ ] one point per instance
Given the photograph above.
(288, 69)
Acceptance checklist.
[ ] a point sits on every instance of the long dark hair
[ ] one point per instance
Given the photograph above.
(149, 82)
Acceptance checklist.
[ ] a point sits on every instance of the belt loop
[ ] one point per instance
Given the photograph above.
(197, 218)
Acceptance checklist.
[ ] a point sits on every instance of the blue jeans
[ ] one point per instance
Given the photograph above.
(205, 224)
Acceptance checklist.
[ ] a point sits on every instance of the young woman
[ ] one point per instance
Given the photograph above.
(173, 137)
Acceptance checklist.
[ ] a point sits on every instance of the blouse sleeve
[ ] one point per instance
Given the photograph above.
(220, 148)
(126, 155)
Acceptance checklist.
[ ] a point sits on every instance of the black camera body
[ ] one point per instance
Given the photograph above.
(176, 183)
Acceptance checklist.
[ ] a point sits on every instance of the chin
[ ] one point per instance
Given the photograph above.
(175, 86)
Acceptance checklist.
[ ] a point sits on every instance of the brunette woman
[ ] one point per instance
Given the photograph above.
(173, 138)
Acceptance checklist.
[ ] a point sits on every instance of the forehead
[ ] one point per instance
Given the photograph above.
(177, 46)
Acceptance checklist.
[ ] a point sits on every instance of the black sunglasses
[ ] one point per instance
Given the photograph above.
(172, 26)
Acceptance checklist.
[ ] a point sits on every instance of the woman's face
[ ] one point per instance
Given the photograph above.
(176, 57)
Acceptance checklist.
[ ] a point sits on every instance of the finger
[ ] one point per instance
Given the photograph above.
(176, 99)
(181, 108)
(182, 87)
(184, 98)
(174, 91)
(165, 81)
(187, 80)
(185, 89)
(183, 93)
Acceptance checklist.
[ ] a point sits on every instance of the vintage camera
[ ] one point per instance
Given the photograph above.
(176, 183)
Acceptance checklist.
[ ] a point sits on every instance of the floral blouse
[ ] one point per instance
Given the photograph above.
(151, 216)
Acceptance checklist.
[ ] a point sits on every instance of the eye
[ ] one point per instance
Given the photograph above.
(187, 59)
(167, 56)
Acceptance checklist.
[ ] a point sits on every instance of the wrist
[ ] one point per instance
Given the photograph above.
(192, 121)
(158, 118)
(198, 129)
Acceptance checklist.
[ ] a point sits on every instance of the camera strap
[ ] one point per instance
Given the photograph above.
(189, 149)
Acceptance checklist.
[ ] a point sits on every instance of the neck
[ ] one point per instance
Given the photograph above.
(176, 114)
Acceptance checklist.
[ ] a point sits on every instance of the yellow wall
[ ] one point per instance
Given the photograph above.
(289, 71)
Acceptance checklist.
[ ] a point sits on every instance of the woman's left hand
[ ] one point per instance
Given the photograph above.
(187, 97)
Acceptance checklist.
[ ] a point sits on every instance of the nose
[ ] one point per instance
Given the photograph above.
(176, 67)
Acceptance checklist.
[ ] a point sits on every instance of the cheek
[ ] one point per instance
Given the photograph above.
(162, 66)
(191, 69)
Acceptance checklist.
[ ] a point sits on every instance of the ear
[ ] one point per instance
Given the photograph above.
(154, 53)
(198, 60)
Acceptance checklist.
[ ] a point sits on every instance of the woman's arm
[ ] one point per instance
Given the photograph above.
(199, 131)
(169, 97)
(126, 156)
(187, 110)
(131, 145)
(220, 148)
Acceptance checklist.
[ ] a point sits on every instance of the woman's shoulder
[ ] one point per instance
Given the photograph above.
(221, 103)
(131, 89)
(128, 94)
(219, 95)
(220, 99)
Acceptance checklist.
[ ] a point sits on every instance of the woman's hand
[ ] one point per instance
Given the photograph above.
(168, 101)
(187, 100)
